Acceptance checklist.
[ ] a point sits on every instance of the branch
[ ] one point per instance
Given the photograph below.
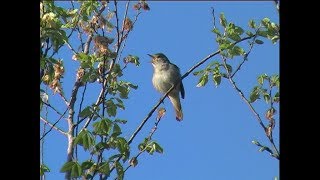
(249, 104)
(153, 130)
(53, 126)
(166, 94)
(247, 54)
(117, 24)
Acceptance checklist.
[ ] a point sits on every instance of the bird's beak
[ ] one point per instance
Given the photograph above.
(151, 57)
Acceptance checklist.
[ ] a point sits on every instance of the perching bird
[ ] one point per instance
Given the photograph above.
(165, 75)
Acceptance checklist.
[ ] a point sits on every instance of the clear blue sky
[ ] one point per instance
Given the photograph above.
(214, 139)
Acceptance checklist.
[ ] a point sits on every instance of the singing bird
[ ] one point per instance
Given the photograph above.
(165, 75)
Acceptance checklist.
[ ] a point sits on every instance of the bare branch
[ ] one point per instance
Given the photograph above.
(53, 126)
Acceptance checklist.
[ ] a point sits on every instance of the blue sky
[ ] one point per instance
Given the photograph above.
(214, 139)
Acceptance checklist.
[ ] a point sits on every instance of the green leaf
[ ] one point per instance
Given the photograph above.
(116, 130)
(120, 171)
(249, 33)
(123, 147)
(262, 33)
(258, 41)
(262, 149)
(67, 166)
(261, 78)
(203, 80)
(238, 30)
(158, 148)
(198, 73)
(132, 59)
(124, 91)
(252, 24)
(274, 39)
(229, 68)
(255, 94)
(43, 169)
(111, 108)
(85, 112)
(76, 170)
(234, 36)
(104, 168)
(223, 20)
(265, 21)
(266, 97)
(87, 164)
(102, 127)
(274, 80)
(84, 139)
(216, 31)
(216, 79)
(236, 51)
(113, 157)
(256, 143)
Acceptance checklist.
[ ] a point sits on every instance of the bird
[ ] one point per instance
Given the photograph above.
(166, 75)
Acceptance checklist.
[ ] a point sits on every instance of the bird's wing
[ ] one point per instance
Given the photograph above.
(182, 90)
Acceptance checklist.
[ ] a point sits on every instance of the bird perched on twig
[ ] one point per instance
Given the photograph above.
(166, 75)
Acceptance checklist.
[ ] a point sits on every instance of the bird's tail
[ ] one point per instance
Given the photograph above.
(175, 100)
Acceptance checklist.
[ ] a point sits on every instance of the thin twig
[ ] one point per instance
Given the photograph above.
(153, 130)
(53, 126)
(47, 104)
(245, 58)
(117, 24)
(248, 103)
(80, 109)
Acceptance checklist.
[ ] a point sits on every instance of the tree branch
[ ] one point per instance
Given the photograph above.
(53, 126)
(248, 103)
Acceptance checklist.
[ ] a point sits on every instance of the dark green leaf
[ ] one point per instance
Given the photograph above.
(223, 20)
(255, 94)
(85, 112)
(236, 51)
(216, 79)
(102, 127)
(87, 164)
(67, 166)
(116, 130)
(111, 108)
(133, 86)
(229, 68)
(104, 168)
(120, 171)
(112, 158)
(258, 41)
(124, 91)
(203, 80)
(43, 169)
(234, 36)
(252, 24)
(76, 170)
